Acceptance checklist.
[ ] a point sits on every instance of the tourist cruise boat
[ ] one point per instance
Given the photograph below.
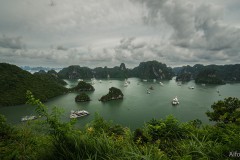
(28, 118)
(76, 114)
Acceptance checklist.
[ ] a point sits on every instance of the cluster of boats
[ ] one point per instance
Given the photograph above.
(77, 114)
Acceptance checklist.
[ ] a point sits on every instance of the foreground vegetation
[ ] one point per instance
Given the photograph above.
(49, 138)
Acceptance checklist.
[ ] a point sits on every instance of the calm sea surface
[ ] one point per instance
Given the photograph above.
(137, 106)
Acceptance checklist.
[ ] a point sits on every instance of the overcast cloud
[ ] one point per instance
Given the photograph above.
(108, 32)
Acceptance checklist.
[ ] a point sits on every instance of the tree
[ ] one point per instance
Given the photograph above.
(227, 111)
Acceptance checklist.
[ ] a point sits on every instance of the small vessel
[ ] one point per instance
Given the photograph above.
(179, 83)
(175, 101)
(144, 80)
(148, 92)
(100, 81)
(191, 87)
(154, 80)
(80, 80)
(125, 84)
(28, 118)
(161, 83)
(76, 114)
(203, 84)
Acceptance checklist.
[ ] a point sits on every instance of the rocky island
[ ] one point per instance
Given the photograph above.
(113, 94)
(208, 76)
(83, 86)
(82, 97)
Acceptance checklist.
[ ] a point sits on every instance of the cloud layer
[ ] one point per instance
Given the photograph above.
(106, 33)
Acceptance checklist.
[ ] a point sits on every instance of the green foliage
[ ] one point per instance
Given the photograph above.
(83, 86)
(15, 82)
(113, 94)
(82, 97)
(227, 111)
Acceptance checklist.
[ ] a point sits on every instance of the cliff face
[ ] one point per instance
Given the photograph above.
(75, 72)
(208, 76)
(146, 70)
(152, 70)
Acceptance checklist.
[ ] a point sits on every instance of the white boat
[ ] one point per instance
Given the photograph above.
(28, 118)
(154, 80)
(175, 101)
(144, 80)
(76, 114)
(161, 83)
(191, 87)
(203, 84)
(80, 80)
(125, 84)
(100, 81)
(148, 92)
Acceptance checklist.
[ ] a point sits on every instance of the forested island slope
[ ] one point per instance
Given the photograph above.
(15, 82)
(212, 74)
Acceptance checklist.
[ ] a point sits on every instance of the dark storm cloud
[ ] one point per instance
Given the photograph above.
(11, 42)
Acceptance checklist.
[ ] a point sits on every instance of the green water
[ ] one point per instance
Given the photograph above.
(137, 106)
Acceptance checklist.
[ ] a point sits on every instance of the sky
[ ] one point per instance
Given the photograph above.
(93, 33)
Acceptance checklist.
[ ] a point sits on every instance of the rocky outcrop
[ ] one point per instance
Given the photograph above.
(82, 97)
(83, 86)
(113, 94)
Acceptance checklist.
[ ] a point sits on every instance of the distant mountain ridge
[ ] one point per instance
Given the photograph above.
(145, 70)
(215, 74)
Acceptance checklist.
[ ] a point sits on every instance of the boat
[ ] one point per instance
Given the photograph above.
(76, 114)
(80, 80)
(28, 118)
(154, 80)
(125, 84)
(203, 84)
(179, 83)
(100, 81)
(148, 92)
(144, 80)
(191, 87)
(161, 83)
(175, 101)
